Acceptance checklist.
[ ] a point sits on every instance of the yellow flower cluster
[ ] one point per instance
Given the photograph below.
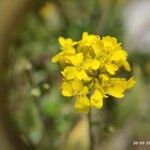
(89, 69)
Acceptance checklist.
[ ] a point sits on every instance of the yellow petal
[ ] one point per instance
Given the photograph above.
(130, 83)
(77, 85)
(67, 89)
(82, 104)
(84, 35)
(98, 48)
(92, 64)
(69, 51)
(76, 60)
(117, 87)
(70, 72)
(84, 90)
(61, 41)
(126, 66)
(82, 75)
(118, 55)
(104, 79)
(79, 88)
(111, 68)
(109, 42)
(57, 57)
(88, 40)
(97, 99)
(65, 42)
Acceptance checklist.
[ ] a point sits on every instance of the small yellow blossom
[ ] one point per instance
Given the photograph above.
(67, 50)
(74, 87)
(90, 67)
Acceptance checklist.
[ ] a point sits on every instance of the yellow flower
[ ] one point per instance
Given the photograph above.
(89, 69)
(75, 71)
(74, 87)
(114, 86)
(117, 86)
(79, 67)
(115, 56)
(67, 47)
(66, 44)
(90, 45)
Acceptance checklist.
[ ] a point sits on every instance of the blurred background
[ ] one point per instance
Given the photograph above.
(33, 113)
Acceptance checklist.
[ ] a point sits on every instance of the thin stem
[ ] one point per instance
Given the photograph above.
(91, 136)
